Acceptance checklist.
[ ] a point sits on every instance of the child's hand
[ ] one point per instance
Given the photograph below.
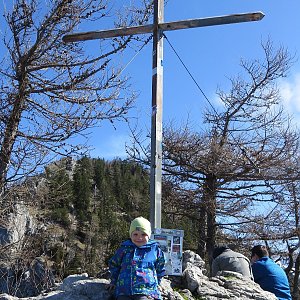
(110, 287)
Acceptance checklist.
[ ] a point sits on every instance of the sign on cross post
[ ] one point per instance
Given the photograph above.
(157, 29)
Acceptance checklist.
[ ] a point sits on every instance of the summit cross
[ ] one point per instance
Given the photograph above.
(157, 29)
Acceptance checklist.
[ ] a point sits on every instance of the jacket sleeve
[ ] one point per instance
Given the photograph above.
(114, 265)
(257, 272)
(160, 265)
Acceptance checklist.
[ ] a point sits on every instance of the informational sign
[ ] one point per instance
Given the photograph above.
(171, 241)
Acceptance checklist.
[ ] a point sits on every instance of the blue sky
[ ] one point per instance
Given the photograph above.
(212, 55)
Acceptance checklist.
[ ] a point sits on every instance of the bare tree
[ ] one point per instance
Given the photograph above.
(292, 238)
(242, 155)
(51, 91)
(280, 231)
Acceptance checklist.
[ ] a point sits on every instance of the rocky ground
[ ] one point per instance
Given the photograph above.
(193, 284)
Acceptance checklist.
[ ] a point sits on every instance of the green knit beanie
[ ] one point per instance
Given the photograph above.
(140, 224)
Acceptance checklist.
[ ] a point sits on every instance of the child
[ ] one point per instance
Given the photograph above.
(138, 265)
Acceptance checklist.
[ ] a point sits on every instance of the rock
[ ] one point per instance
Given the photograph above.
(7, 297)
(190, 257)
(193, 268)
(193, 277)
(19, 223)
(70, 280)
(81, 289)
(167, 291)
(232, 285)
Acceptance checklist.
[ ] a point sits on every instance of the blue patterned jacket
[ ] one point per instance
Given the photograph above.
(137, 270)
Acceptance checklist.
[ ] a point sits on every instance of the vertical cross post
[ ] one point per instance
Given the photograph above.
(156, 116)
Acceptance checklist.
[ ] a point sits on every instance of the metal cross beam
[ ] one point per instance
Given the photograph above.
(157, 29)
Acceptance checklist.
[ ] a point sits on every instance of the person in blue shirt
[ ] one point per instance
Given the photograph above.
(270, 276)
(138, 266)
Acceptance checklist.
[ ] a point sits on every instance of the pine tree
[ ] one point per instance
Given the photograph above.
(59, 193)
(82, 188)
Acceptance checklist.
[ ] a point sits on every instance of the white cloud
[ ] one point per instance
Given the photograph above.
(290, 93)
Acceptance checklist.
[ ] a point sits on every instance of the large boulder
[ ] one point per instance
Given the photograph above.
(74, 287)
(234, 286)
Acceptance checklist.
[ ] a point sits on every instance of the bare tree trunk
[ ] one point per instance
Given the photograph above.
(10, 133)
(207, 220)
(295, 291)
(202, 231)
(209, 195)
